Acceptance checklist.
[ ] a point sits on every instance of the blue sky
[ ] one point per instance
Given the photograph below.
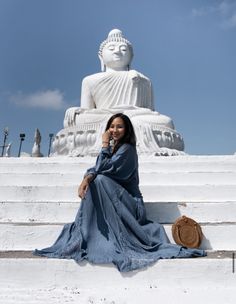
(186, 47)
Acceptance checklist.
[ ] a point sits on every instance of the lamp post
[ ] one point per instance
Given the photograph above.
(6, 132)
(50, 143)
(22, 138)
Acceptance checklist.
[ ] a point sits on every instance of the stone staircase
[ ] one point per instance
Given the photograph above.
(39, 195)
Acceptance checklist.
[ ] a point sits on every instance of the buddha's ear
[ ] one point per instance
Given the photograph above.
(103, 67)
(131, 58)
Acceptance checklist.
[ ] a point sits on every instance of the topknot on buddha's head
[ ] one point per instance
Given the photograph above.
(115, 36)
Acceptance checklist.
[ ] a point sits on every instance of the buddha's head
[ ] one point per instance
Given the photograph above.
(116, 52)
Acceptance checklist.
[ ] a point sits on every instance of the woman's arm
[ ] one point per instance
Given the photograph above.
(105, 153)
(84, 185)
(119, 166)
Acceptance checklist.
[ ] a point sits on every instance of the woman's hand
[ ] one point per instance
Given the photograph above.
(83, 187)
(106, 138)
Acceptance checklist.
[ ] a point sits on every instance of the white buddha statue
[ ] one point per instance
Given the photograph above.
(116, 89)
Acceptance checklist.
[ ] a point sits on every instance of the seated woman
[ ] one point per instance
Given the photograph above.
(111, 224)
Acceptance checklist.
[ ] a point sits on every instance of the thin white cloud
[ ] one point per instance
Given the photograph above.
(224, 7)
(226, 10)
(48, 99)
(198, 12)
(230, 22)
(203, 11)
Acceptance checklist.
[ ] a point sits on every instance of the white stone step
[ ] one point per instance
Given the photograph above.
(202, 212)
(146, 178)
(119, 295)
(41, 179)
(166, 212)
(214, 163)
(21, 236)
(37, 195)
(26, 295)
(160, 193)
(29, 280)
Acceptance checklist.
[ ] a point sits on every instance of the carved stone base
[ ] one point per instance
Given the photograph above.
(152, 138)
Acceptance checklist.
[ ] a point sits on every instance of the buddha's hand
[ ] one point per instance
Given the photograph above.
(135, 76)
(83, 187)
(70, 115)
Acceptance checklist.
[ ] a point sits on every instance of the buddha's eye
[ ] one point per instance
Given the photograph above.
(123, 48)
(111, 47)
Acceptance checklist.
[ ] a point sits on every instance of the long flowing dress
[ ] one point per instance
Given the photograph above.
(111, 224)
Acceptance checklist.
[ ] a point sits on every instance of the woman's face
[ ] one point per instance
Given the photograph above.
(117, 129)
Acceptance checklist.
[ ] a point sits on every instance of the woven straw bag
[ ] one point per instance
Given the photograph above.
(186, 232)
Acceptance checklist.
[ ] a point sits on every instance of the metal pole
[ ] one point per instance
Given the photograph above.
(5, 138)
(22, 137)
(50, 143)
(20, 148)
(233, 262)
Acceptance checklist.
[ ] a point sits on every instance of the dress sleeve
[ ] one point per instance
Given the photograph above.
(119, 166)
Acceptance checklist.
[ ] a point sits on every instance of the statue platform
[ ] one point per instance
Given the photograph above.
(39, 195)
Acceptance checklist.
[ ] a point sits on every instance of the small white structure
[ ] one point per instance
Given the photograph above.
(8, 150)
(36, 147)
(116, 89)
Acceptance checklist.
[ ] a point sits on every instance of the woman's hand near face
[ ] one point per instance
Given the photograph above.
(106, 138)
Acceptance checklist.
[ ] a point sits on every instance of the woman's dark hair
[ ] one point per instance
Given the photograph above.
(129, 136)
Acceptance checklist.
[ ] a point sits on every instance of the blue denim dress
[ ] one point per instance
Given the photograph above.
(111, 224)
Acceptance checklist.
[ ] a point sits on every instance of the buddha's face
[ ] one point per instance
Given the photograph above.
(116, 55)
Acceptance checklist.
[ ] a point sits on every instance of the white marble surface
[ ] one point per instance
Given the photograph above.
(39, 281)
(28, 221)
(37, 194)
